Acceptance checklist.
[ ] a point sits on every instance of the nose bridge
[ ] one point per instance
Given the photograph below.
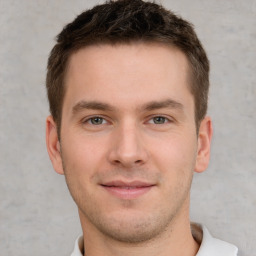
(128, 148)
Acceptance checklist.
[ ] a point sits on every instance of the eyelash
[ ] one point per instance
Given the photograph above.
(89, 120)
(166, 119)
(104, 121)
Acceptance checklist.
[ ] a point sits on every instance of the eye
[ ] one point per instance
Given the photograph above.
(96, 120)
(159, 120)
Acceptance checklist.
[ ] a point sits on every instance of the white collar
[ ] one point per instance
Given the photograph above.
(79, 245)
(210, 246)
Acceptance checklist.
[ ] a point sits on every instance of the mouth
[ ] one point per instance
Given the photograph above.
(127, 190)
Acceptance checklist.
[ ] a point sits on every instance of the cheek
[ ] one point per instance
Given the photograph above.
(81, 156)
(175, 158)
(175, 151)
(81, 159)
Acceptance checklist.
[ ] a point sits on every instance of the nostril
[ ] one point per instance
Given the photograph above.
(118, 162)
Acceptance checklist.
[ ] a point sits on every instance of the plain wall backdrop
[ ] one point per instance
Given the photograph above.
(37, 214)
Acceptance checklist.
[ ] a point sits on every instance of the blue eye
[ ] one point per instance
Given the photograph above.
(96, 120)
(159, 120)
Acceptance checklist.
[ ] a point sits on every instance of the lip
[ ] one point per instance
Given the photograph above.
(127, 190)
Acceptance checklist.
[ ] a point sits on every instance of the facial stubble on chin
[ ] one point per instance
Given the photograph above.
(136, 231)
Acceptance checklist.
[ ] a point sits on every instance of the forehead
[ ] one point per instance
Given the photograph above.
(135, 72)
(129, 53)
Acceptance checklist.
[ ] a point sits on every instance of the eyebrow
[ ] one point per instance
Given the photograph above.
(153, 105)
(94, 105)
(169, 103)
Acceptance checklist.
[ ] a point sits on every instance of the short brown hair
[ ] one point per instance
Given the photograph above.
(126, 21)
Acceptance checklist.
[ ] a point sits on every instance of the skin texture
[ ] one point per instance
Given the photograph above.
(128, 122)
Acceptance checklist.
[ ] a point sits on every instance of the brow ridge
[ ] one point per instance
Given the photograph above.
(150, 106)
(94, 105)
(168, 103)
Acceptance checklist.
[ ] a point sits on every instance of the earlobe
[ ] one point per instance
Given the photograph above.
(204, 144)
(53, 145)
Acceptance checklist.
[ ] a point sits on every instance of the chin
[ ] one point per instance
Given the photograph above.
(134, 228)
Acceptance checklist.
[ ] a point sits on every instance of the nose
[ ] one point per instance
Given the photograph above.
(127, 148)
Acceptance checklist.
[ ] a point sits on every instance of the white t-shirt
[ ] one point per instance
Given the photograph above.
(209, 246)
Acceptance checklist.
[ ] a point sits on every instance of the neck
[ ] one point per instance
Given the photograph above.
(176, 239)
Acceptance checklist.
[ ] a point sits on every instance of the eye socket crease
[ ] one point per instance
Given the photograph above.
(157, 120)
(98, 120)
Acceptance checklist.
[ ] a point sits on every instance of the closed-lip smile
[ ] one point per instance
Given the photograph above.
(127, 190)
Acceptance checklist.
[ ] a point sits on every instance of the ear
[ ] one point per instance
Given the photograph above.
(53, 145)
(204, 144)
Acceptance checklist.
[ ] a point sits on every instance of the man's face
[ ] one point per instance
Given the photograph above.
(128, 138)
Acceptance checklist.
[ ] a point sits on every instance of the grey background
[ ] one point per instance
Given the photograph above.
(37, 215)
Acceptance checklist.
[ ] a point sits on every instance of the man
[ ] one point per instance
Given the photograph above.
(127, 84)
